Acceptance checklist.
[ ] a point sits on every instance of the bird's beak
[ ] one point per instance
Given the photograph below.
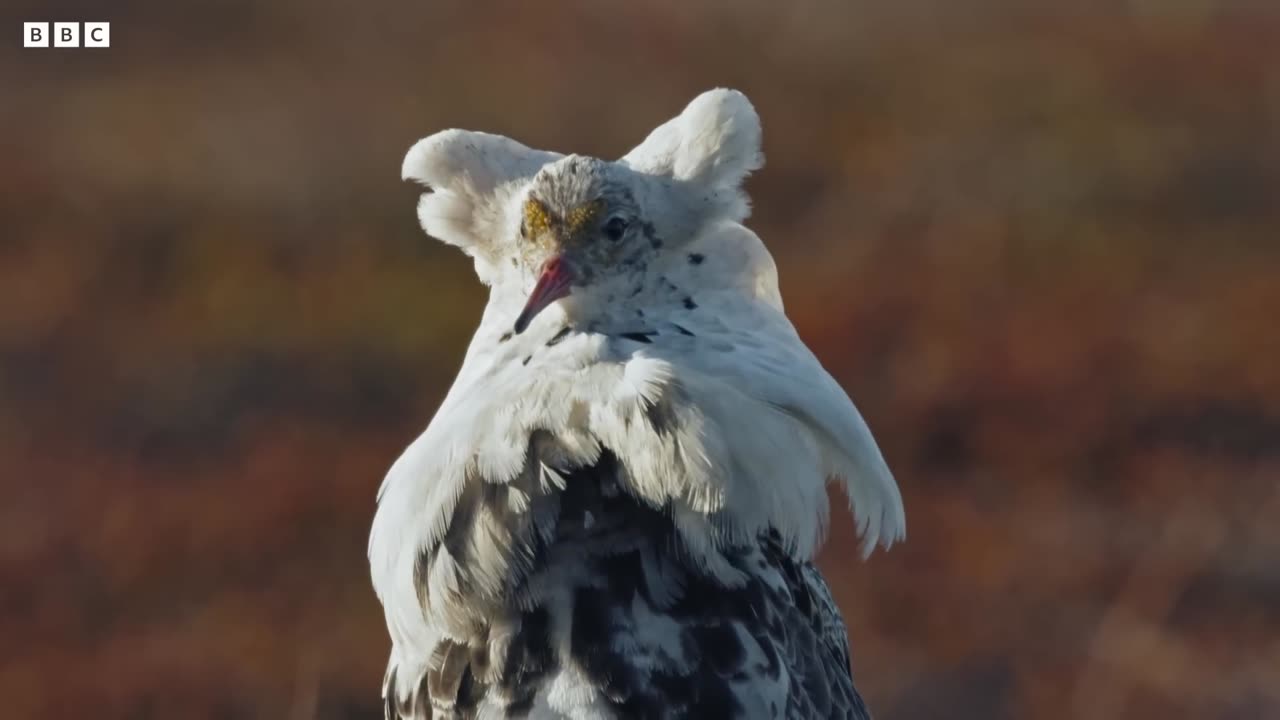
(553, 283)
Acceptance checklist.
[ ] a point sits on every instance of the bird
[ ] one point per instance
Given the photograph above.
(614, 511)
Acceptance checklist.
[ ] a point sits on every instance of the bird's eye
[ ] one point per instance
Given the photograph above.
(615, 228)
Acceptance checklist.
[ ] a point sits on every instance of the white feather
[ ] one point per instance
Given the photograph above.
(731, 423)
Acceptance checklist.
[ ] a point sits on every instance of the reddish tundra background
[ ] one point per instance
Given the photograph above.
(1039, 243)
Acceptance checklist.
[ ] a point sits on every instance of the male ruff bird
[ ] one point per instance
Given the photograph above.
(614, 511)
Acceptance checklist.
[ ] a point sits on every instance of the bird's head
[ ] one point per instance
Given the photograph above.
(558, 225)
(580, 226)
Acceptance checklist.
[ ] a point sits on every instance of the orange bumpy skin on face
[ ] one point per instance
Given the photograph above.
(582, 217)
(539, 221)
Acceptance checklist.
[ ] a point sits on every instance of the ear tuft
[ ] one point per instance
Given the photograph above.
(451, 159)
(714, 142)
(469, 175)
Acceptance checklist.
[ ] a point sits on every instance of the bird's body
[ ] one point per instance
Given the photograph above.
(614, 510)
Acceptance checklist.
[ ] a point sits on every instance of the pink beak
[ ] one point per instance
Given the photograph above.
(553, 284)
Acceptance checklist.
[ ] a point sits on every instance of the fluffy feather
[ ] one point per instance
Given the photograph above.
(682, 423)
(714, 142)
(472, 176)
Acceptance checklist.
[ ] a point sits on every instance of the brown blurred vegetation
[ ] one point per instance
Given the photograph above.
(1037, 242)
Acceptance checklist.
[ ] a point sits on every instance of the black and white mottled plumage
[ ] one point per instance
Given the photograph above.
(613, 513)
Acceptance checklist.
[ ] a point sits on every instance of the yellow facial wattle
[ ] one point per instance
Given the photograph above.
(576, 224)
(583, 217)
(537, 219)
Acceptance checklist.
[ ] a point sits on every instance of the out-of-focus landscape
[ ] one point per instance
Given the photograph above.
(1038, 243)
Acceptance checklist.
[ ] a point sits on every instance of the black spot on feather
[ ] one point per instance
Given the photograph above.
(689, 304)
(720, 646)
(650, 232)
(564, 332)
(642, 337)
(696, 258)
(422, 571)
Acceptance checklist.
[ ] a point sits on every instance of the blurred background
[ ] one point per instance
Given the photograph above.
(1038, 242)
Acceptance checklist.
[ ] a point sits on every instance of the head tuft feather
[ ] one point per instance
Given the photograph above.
(689, 170)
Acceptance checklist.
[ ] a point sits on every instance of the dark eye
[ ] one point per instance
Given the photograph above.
(615, 228)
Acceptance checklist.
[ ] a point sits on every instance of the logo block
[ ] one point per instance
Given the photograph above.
(35, 34)
(66, 34)
(97, 34)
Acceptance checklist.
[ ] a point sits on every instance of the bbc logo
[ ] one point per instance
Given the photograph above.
(66, 34)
